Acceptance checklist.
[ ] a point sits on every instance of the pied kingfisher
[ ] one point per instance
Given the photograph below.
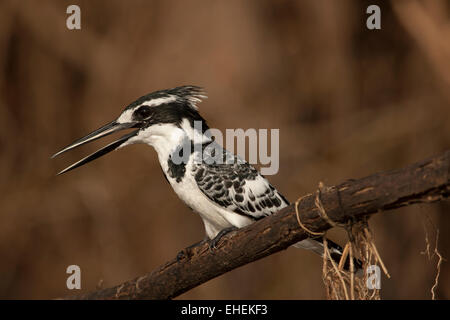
(227, 195)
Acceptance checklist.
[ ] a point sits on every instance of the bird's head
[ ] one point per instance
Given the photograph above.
(154, 116)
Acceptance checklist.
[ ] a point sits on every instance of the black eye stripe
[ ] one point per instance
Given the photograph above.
(143, 112)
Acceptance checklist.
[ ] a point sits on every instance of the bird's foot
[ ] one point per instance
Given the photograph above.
(187, 252)
(213, 242)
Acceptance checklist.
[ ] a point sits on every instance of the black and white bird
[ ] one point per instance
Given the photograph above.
(226, 194)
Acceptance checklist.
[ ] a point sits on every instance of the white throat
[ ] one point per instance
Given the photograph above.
(166, 137)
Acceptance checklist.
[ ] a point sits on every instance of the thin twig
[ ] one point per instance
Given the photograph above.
(352, 272)
(369, 237)
(438, 267)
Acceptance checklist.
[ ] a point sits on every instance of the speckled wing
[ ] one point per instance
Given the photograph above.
(239, 187)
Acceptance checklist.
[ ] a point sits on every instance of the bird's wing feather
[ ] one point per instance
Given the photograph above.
(239, 187)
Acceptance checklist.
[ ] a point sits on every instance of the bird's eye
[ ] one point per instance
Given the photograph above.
(143, 113)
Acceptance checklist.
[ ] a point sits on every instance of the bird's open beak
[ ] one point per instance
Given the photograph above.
(101, 132)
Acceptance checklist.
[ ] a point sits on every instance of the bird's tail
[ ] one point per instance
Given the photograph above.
(316, 245)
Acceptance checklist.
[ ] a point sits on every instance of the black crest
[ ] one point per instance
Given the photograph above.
(184, 106)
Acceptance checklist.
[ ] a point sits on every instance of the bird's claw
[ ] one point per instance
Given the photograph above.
(213, 242)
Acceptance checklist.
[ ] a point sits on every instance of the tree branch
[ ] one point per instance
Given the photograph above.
(425, 181)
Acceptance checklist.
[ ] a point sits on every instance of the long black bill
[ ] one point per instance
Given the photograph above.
(102, 132)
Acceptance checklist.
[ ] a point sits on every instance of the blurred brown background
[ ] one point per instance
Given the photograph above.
(348, 102)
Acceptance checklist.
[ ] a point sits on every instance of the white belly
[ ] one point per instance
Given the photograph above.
(214, 217)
